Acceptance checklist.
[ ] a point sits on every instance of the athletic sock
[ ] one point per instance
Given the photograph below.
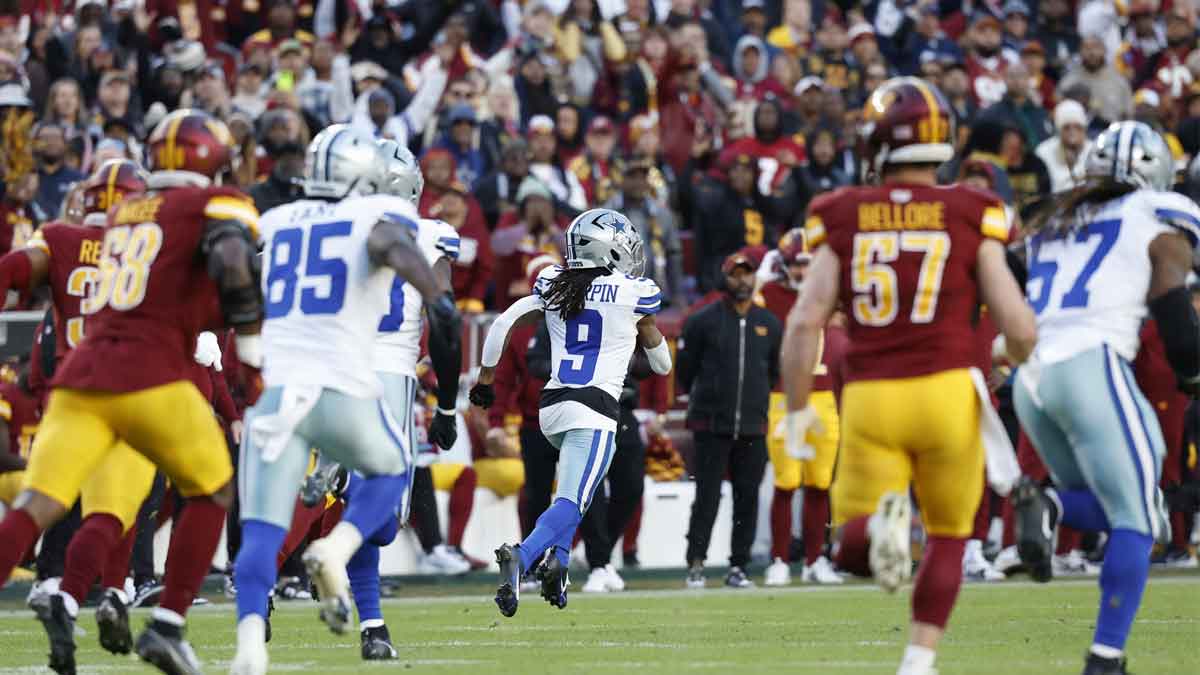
(363, 570)
(116, 568)
(1122, 582)
(462, 500)
(555, 527)
(917, 659)
(89, 548)
(781, 524)
(255, 569)
(194, 540)
(1082, 511)
(813, 523)
(374, 503)
(18, 532)
(853, 549)
(938, 580)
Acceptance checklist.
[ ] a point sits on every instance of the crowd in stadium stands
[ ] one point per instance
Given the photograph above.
(710, 123)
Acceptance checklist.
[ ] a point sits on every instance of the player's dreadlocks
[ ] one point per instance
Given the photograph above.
(566, 292)
(1060, 214)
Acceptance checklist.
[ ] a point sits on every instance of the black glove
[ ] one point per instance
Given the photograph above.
(443, 430)
(483, 395)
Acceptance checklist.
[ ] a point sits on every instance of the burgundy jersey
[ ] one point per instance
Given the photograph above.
(907, 255)
(153, 294)
(20, 410)
(74, 252)
(778, 297)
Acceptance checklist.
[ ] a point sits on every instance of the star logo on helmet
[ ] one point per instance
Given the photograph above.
(618, 226)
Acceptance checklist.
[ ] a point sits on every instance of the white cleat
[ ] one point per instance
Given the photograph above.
(1074, 564)
(1007, 560)
(42, 589)
(821, 572)
(778, 573)
(442, 560)
(328, 572)
(976, 567)
(251, 657)
(891, 552)
(612, 580)
(597, 581)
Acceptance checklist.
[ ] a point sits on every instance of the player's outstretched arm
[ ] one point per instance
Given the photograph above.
(1170, 304)
(23, 269)
(651, 340)
(390, 244)
(445, 351)
(522, 311)
(1005, 301)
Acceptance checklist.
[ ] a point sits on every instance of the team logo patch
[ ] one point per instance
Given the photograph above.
(761, 331)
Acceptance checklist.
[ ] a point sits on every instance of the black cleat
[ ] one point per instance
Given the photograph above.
(112, 618)
(267, 621)
(1098, 665)
(553, 575)
(60, 628)
(1036, 517)
(162, 646)
(508, 594)
(377, 645)
(147, 594)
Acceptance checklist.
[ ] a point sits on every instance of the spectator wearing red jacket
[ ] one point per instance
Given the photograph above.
(777, 153)
(536, 232)
(472, 270)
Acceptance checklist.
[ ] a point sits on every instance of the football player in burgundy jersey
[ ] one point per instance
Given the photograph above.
(910, 260)
(173, 261)
(815, 472)
(64, 257)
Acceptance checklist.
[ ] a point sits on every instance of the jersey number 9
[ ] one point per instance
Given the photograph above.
(124, 270)
(584, 333)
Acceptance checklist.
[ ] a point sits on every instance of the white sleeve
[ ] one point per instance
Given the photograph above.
(425, 100)
(341, 104)
(493, 344)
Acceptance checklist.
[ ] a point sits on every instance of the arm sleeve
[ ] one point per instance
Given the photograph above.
(493, 345)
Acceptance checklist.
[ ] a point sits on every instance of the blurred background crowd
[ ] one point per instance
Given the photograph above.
(711, 123)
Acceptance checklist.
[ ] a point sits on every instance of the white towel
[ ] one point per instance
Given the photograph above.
(1002, 468)
(272, 432)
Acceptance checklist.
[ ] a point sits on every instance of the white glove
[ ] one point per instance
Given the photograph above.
(795, 427)
(208, 352)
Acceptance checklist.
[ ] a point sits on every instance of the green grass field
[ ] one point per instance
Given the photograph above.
(1010, 628)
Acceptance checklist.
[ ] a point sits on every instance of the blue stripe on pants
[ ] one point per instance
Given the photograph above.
(587, 471)
(1132, 425)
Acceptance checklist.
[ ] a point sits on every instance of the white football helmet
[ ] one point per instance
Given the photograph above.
(1132, 153)
(404, 177)
(343, 162)
(607, 239)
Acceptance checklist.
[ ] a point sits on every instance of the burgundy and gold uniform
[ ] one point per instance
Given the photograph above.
(791, 473)
(130, 379)
(910, 408)
(19, 411)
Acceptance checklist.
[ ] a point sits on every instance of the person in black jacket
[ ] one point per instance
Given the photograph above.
(728, 360)
(282, 185)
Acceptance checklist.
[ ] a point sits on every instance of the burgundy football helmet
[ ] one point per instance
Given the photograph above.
(793, 247)
(193, 141)
(115, 180)
(906, 121)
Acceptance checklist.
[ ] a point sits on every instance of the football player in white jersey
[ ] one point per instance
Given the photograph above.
(1102, 259)
(598, 309)
(328, 264)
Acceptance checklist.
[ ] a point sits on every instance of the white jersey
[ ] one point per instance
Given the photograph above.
(323, 296)
(1089, 287)
(592, 350)
(398, 343)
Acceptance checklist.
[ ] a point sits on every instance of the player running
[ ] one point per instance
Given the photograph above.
(911, 261)
(1106, 255)
(329, 261)
(397, 350)
(597, 310)
(65, 258)
(173, 261)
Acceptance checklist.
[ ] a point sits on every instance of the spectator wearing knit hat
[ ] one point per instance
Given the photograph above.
(1065, 154)
(535, 232)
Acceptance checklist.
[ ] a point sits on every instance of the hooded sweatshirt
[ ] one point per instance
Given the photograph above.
(758, 83)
